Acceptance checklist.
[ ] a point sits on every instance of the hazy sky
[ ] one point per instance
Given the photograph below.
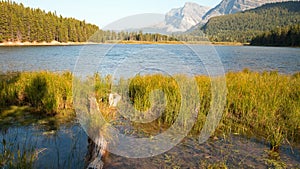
(102, 12)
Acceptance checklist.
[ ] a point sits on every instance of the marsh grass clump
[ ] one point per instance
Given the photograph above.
(46, 92)
(141, 87)
(264, 105)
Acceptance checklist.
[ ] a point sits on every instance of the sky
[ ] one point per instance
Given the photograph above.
(102, 12)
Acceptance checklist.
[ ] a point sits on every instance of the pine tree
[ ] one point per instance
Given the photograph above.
(18, 23)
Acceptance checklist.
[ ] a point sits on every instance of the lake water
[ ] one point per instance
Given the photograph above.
(65, 145)
(109, 59)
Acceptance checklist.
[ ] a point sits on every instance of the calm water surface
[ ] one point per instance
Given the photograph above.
(61, 58)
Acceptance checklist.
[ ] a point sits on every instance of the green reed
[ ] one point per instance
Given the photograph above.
(263, 105)
(46, 92)
(16, 156)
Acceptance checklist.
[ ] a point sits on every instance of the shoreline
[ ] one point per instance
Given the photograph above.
(55, 43)
(230, 44)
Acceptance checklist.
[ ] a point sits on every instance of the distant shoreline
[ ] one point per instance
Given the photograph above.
(55, 43)
(230, 44)
(179, 43)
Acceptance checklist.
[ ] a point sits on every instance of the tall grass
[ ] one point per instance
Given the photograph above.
(140, 89)
(264, 105)
(16, 156)
(46, 92)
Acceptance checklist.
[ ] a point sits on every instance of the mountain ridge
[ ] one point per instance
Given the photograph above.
(233, 6)
(178, 19)
(182, 19)
(192, 15)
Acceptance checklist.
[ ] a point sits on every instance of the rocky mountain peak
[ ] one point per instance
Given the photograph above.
(234, 6)
(182, 19)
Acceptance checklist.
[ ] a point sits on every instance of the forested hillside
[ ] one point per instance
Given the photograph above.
(244, 26)
(18, 23)
(286, 36)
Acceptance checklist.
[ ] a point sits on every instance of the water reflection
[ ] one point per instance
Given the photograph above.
(62, 143)
(42, 142)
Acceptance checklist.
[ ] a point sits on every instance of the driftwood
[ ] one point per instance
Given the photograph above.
(96, 153)
(97, 148)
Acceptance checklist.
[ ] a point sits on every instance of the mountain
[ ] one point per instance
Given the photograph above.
(135, 22)
(191, 15)
(182, 19)
(244, 26)
(176, 20)
(234, 6)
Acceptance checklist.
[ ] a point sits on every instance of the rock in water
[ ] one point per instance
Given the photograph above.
(114, 99)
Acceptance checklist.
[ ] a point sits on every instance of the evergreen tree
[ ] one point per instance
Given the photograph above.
(18, 23)
(285, 36)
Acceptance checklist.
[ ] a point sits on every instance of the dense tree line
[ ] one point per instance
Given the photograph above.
(286, 36)
(107, 36)
(19, 23)
(111, 36)
(244, 26)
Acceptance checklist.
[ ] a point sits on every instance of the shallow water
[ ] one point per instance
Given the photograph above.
(62, 148)
(66, 146)
(235, 152)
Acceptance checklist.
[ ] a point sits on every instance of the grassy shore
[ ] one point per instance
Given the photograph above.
(230, 43)
(261, 105)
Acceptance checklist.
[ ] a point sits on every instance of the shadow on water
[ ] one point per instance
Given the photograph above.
(24, 116)
(233, 152)
(34, 140)
(58, 142)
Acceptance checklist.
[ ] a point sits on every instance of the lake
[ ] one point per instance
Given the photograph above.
(234, 58)
(64, 144)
